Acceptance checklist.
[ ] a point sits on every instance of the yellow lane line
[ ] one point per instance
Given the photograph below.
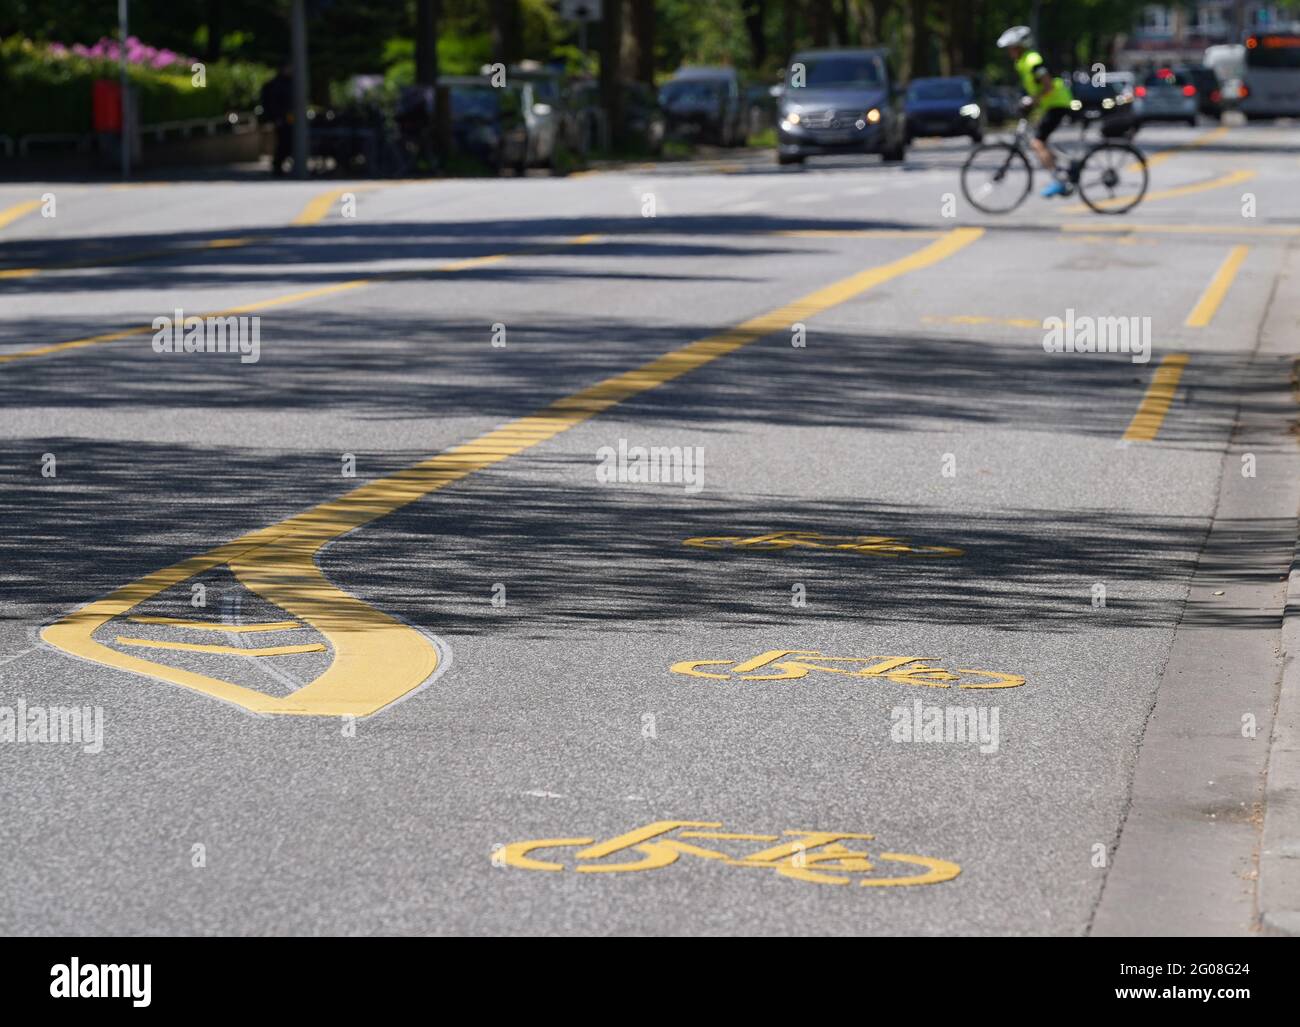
(1164, 155)
(128, 333)
(1223, 181)
(125, 258)
(12, 214)
(224, 650)
(1107, 226)
(319, 207)
(861, 233)
(980, 319)
(1156, 400)
(208, 625)
(316, 210)
(1206, 307)
(378, 659)
(295, 297)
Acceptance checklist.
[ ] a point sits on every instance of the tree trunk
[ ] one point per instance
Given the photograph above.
(643, 35)
(879, 12)
(755, 16)
(788, 42)
(507, 34)
(427, 16)
(611, 70)
(819, 21)
(920, 39)
(216, 27)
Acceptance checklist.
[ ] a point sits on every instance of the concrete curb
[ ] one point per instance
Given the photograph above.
(1279, 858)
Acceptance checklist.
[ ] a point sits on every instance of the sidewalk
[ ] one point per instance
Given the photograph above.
(1279, 860)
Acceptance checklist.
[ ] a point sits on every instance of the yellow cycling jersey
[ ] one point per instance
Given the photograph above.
(1027, 66)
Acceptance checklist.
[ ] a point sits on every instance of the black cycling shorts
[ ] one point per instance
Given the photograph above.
(1049, 122)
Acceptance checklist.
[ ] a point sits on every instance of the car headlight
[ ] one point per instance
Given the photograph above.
(1107, 103)
(1076, 105)
(873, 116)
(971, 110)
(792, 117)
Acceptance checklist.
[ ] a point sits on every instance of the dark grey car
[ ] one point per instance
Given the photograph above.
(840, 101)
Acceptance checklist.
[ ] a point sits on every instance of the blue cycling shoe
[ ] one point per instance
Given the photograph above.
(1056, 188)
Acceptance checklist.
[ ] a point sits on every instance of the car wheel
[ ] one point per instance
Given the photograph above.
(1192, 121)
(789, 158)
(977, 137)
(896, 153)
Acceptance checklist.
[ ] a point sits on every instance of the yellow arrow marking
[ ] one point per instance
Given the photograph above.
(377, 659)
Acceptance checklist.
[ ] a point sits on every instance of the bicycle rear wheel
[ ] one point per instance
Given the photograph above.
(1113, 178)
(996, 178)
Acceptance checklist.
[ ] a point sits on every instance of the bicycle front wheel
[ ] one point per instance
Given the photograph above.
(1113, 178)
(996, 178)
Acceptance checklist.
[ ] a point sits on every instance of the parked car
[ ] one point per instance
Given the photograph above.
(487, 123)
(840, 101)
(944, 107)
(546, 116)
(1209, 94)
(705, 104)
(1166, 95)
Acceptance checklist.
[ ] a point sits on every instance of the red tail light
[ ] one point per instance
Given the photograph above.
(1245, 92)
(1189, 90)
(1141, 90)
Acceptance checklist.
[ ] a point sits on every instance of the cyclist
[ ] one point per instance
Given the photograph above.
(1045, 91)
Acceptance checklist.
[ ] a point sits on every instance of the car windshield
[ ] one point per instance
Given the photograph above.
(953, 89)
(821, 72)
(701, 91)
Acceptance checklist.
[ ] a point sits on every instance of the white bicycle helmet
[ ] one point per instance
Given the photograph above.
(1017, 35)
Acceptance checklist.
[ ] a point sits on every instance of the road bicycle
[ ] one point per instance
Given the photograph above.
(1110, 175)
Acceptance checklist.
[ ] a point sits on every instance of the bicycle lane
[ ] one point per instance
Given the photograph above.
(735, 716)
(133, 694)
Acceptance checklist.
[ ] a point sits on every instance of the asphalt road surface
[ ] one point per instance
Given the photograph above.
(712, 696)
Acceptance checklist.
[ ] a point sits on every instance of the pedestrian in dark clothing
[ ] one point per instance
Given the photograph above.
(277, 107)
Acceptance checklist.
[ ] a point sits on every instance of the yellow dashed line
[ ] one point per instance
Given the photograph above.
(12, 214)
(1156, 400)
(1223, 181)
(1206, 307)
(980, 319)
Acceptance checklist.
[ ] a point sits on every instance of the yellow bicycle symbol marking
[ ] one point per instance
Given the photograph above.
(819, 857)
(907, 670)
(878, 545)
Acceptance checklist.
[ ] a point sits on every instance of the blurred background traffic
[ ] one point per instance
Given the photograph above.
(406, 88)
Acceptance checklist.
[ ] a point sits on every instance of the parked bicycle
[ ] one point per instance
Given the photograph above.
(1110, 175)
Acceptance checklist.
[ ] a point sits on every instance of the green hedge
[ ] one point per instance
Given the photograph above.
(48, 93)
